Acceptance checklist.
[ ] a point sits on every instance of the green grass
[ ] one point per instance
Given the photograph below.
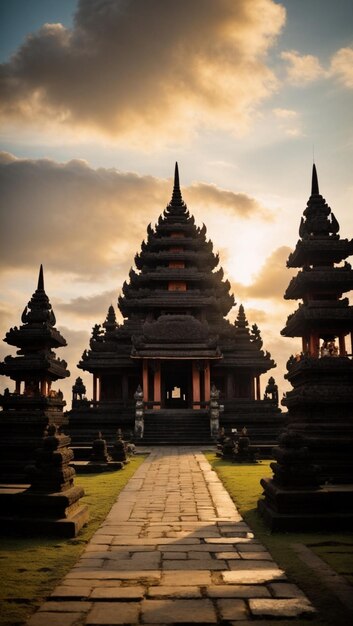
(243, 484)
(31, 568)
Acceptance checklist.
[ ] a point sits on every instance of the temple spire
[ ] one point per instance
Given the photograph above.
(40, 286)
(177, 199)
(314, 182)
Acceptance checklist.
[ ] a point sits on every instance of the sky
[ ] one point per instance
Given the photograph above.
(99, 98)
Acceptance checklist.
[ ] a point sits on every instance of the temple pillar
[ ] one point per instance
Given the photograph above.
(342, 345)
(125, 387)
(157, 385)
(94, 387)
(304, 345)
(43, 387)
(230, 385)
(145, 379)
(314, 345)
(195, 385)
(99, 391)
(258, 390)
(207, 381)
(18, 387)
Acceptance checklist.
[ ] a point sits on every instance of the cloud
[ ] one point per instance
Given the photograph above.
(342, 66)
(272, 280)
(92, 306)
(285, 113)
(133, 68)
(286, 118)
(239, 204)
(86, 221)
(302, 69)
(256, 316)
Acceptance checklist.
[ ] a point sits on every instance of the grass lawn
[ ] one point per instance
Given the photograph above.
(242, 482)
(31, 568)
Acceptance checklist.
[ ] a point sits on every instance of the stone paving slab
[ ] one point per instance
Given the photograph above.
(173, 550)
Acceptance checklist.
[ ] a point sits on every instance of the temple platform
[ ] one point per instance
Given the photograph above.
(36, 514)
(329, 507)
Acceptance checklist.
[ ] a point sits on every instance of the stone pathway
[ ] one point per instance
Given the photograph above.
(173, 550)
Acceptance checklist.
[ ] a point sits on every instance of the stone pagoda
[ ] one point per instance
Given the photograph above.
(175, 342)
(313, 481)
(34, 404)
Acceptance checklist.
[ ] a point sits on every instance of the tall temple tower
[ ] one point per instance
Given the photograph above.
(317, 447)
(175, 343)
(34, 404)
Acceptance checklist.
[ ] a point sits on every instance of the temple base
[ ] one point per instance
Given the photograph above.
(39, 514)
(329, 508)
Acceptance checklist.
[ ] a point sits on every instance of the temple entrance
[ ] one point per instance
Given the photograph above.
(176, 384)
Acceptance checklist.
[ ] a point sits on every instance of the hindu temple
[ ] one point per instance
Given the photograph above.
(174, 346)
(313, 473)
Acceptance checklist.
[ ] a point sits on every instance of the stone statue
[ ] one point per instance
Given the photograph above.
(215, 410)
(139, 413)
(271, 391)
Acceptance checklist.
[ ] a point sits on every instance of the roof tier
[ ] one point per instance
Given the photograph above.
(321, 281)
(323, 316)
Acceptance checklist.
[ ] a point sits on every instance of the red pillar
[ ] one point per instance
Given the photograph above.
(94, 387)
(314, 345)
(207, 381)
(258, 390)
(342, 345)
(145, 379)
(43, 387)
(157, 385)
(18, 387)
(195, 386)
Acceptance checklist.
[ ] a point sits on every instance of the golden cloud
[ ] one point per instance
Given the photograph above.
(239, 204)
(86, 221)
(302, 68)
(272, 280)
(342, 66)
(141, 67)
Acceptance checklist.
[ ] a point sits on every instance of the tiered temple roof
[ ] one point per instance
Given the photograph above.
(35, 340)
(319, 284)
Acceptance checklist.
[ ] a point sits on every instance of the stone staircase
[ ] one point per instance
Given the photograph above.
(177, 426)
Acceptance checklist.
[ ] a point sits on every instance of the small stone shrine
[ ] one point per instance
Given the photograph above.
(174, 343)
(312, 486)
(33, 405)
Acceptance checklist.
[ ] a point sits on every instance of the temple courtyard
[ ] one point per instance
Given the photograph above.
(174, 550)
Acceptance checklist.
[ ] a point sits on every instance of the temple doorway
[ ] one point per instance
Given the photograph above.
(176, 384)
